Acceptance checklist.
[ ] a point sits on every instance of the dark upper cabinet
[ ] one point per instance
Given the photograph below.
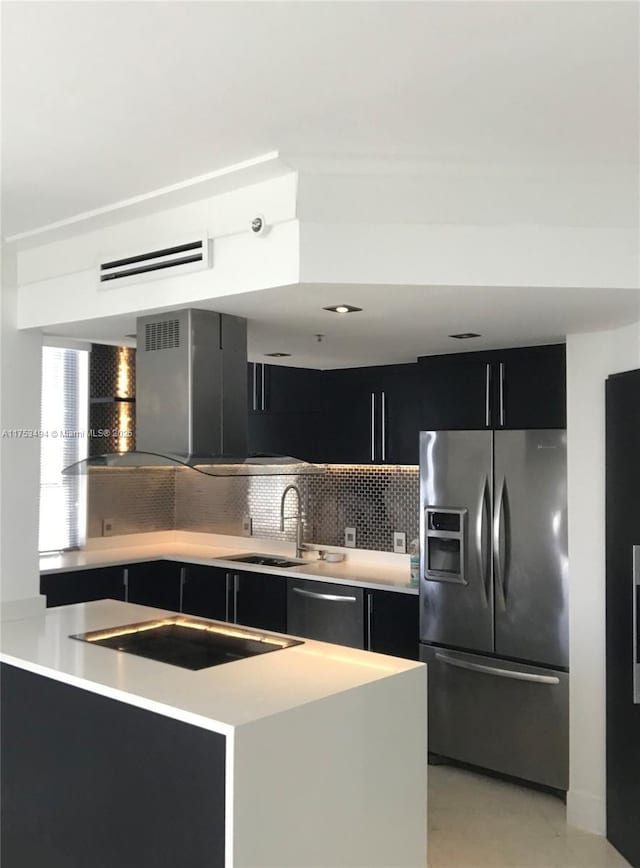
(155, 583)
(454, 391)
(399, 414)
(81, 586)
(533, 385)
(370, 415)
(350, 417)
(260, 600)
(516, 388)
(392, 623)
(205, 592)
(284, 411)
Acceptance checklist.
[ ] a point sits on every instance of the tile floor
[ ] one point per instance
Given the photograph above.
(480, 822)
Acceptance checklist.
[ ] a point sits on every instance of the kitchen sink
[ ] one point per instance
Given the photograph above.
(265, 560)
(190, 643)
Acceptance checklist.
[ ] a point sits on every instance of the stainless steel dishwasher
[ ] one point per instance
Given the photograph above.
(327, 612)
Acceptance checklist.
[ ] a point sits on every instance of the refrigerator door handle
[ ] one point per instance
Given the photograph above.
(497, 561)
(502, 410)
(484, 513)
(496, 671)
(634, 611)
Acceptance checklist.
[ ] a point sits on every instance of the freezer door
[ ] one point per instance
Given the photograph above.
(530, 546)
(456, 592)
(499, 715)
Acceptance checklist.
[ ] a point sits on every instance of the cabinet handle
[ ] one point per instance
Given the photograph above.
(487, 396)
(183, 579)
(125, 581)
(263, 399)
(236, 588)
(502, 412)
(369, 619)
(334, 598)
(373, 426)
(227, 582)
(634, 617)
(254, 385)
(383, 412)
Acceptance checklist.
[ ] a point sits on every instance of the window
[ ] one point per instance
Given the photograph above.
(64, 440)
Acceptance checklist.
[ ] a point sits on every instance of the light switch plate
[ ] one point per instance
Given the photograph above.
(399, 542)
(350, 537)
(247, 525)
(107, 526)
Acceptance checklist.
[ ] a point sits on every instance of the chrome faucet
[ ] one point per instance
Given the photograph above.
(297, 516)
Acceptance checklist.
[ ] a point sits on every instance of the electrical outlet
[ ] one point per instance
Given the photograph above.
(107, 527)
(399, 542)
(247, 525)
(350, 537)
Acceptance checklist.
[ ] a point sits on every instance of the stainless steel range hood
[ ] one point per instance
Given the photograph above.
(191, 399)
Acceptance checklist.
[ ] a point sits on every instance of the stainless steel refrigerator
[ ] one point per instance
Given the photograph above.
(494, 599)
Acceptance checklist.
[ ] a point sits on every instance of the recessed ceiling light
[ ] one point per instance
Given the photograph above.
(464, 336)
(343, 308)
(277, 355)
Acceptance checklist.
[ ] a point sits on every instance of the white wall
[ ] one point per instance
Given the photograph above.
(463, 225)
(590, 359)
(59, 281)
(20, 376)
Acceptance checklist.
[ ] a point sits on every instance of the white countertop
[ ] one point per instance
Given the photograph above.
(378, 570)
(219, 698)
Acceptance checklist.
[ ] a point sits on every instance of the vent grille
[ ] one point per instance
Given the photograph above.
(163, 335)
(192, 253)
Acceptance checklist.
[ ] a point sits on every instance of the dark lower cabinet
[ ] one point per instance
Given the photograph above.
(87, 780)
(260, 601)
(81, 586)
(392, 623)
(205, 592)
(382, 621)
(244, 598)
(155, 583)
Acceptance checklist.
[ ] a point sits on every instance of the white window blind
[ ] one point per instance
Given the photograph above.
(64, 433)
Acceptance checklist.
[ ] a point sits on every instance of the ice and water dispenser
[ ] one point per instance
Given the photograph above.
(445, 556)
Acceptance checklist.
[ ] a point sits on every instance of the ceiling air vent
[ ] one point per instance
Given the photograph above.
(163, 335)
(182, 258)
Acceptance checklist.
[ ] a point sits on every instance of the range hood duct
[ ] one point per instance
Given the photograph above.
(191, 399)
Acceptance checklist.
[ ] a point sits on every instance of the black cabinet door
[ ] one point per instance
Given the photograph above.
(155, 583)
(392, 623)
(530, 388)
(81, 586)
(351, 411)
(259, 600)
(623, 612)
(205, 591)
(399, 421)
(455, 391)
(293, 434)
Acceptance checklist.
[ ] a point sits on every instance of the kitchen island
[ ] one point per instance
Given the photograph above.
(312, 755)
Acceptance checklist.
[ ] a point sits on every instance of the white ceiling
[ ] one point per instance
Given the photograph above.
(102, 101)
(398, 324)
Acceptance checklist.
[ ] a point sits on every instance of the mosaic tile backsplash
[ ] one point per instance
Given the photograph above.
(375, 500)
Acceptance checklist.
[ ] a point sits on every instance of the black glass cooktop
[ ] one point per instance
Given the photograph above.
(187, 642)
